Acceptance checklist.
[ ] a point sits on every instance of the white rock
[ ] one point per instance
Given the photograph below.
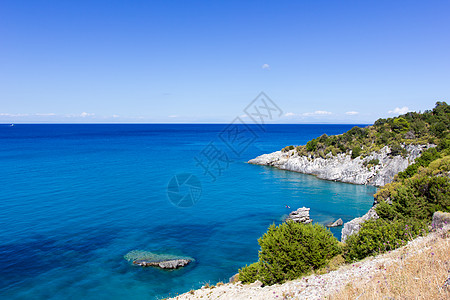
(300, 215)
(342, 167)
(354, 225)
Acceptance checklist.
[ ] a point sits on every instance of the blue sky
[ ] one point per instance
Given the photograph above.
(204, 61)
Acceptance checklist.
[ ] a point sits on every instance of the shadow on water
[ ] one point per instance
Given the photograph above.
(39, 254)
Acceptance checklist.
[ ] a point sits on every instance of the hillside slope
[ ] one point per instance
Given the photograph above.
(415, 271)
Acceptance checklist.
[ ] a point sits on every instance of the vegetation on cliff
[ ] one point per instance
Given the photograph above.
(404, 206)
(429, 127)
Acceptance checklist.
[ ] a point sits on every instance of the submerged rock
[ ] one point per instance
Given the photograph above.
(150, 259)
(336, 223)
(300, 215)
(165, 264)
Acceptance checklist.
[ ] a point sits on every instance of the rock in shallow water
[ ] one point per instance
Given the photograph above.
(166, 264)
(300, 215)
(336, 223)
(163, 261)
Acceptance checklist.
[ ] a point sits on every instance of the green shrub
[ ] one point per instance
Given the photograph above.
(372, 162)
(356, 151)
(249, 274)
(287, 148)
(417, 198)
(396, 149)
(378, 236)
(311, 145)
(292, 249)
(400, 125)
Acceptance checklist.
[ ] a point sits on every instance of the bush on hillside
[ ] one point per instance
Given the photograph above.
(378, 236)
(400, 125)
(292, 249)
(417, 197)
(249, 274)
(356, 151)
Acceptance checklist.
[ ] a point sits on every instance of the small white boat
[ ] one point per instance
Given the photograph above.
(12, 125)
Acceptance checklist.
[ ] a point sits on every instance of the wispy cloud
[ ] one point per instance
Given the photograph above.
(399, 110)
(13, 115)
(172, 116)
(45, 115)
(27, 115)
(265, 67)
(351, 113)
(85, 114)
(317, 113)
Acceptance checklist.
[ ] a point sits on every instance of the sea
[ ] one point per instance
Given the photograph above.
(76, 198)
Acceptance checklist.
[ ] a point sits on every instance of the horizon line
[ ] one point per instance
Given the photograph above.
(173, 123)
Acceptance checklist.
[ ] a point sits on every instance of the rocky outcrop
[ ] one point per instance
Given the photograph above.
(300, 215)
(336, 223)
(165, 264)
(354, 225)
(342, 167)
(440, 219)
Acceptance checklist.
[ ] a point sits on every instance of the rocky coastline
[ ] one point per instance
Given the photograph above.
(342, 167)
(345, 169)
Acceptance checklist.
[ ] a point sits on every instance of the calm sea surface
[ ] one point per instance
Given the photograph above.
(76, 198)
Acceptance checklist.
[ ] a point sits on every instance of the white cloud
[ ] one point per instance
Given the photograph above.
(243, 116)
(289, 114)
(399, 110)
(85, 114)
(115, 116)
(13, 115)
(317, 113)
(265, 66)
(351, 113)
(172, 116)
(45, 115)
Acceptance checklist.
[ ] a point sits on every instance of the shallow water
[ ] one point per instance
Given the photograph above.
(76, 198)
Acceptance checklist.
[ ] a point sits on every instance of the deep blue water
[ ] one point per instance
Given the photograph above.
(76, 198)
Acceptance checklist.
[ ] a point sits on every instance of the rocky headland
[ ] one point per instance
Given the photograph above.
(342, 167)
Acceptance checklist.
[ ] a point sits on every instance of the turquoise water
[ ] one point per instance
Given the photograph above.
(76, 198)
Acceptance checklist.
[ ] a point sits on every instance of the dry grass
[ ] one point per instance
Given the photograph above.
(416, 272)
(333, 265)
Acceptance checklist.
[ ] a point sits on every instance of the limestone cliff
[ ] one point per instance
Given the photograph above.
(342, 167)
